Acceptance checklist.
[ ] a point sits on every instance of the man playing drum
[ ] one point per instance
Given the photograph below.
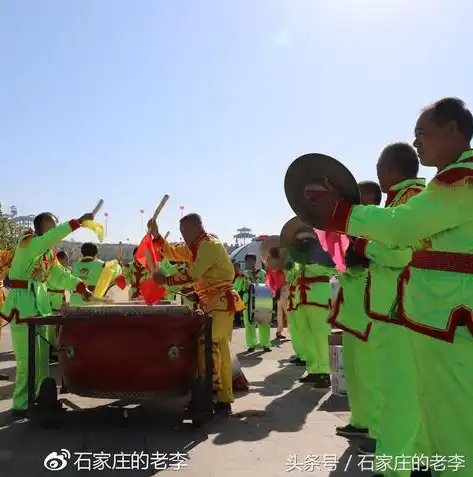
(33, 264)
(211, 272)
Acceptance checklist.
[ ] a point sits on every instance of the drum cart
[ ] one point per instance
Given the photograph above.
(49, 409)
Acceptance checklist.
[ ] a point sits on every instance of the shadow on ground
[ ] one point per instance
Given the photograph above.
(255, 425)
(101, 439)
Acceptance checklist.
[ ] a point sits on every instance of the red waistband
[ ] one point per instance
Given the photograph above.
(62, 292)
(443, 261)
(317, 279)
(19, 284)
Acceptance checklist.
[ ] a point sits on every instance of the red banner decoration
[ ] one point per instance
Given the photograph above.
(105, 214)
(147, 245)
(120, 282)
(142, 211)
(152, 292)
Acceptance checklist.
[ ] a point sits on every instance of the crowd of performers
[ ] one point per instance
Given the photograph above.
(404, 303)
(406, 312)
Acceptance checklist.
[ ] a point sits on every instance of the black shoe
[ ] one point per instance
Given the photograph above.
(310, 378)
(19, 413)
(368, 447)
(223, 408)
(351, 431)
(294, 359)
(251, 350)
(4, 377)
(323, 381)
(266, 349)
(300, 362)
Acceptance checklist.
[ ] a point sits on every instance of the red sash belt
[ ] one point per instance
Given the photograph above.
(19, 284)
(443, 261)
(62, 292)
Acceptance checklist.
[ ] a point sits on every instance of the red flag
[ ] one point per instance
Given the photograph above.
(147, 245)
(142, 211)
(152, 292)
(120, 281)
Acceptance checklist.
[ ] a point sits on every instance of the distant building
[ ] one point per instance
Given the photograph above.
(243, 234)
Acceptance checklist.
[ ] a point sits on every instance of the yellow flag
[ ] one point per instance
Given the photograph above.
(95, 227)
(110, 271)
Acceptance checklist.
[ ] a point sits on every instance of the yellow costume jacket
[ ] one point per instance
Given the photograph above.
(210, 271)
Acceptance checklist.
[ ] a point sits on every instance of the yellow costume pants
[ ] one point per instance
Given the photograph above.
(282, 314)
(222, 329)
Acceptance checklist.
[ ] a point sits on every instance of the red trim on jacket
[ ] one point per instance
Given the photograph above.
(334, 315)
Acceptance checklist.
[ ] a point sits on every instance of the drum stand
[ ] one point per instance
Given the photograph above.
(48, 408)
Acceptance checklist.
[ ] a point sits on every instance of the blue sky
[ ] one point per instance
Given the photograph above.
(210, 101)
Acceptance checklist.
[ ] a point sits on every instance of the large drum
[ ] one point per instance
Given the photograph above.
(133, 349)
(260, 304)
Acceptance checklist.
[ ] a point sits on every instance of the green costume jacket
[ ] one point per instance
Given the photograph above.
(313, 286)
(372, 292)
(386, 262)
(57, 296)
(434, 295)
(34, 264)
(88, 270)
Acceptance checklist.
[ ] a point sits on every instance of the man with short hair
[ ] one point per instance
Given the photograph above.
(434, 299)
(88, 269)
(211, 273)
(33, 264)
(349, 315)
(394, 415)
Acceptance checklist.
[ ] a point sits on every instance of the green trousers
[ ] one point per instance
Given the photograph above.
(19, 334)
(400, 427)
(314, 331)
(444, 372)
(362, 383)
(295, 334)
(252, 331)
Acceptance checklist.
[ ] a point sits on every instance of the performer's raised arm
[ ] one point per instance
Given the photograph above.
(48, 234)
(440, 207)
(174, 253)
(62, 279)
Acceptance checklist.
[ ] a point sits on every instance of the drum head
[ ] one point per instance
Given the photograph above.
(314, 169)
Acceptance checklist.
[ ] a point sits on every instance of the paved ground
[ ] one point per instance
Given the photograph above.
(280, 426)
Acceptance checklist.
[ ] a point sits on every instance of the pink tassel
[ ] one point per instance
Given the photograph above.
(335, 245)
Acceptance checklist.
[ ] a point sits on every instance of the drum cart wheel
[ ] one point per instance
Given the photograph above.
(201, 407)
(46, 410)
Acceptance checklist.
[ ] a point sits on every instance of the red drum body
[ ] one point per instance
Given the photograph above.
(107, 351)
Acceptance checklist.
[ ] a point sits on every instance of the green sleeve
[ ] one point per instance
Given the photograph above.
(61, 278)
(127, 274)
(387, 256)
(437, 209)
(262, 276)
(38, 245)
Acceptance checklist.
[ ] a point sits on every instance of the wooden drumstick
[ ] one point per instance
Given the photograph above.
(167, 235)
(121, 252)
(97, 207)
(149, 259)
(160, 207)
